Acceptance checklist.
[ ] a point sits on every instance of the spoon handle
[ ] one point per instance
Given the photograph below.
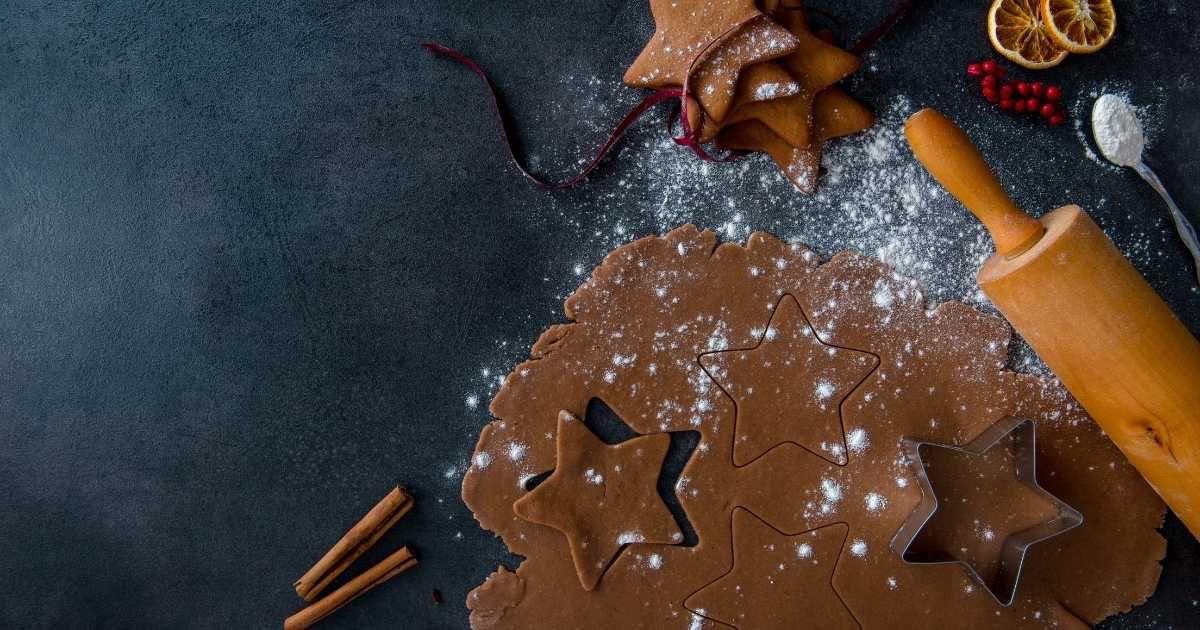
(1182, 225)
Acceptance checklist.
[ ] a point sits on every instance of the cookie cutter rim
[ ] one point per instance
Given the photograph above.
(1016, 544)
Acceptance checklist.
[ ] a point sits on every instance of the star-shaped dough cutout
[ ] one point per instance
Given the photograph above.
(789, 387)
(732, 34)
(777, 580)
(602, 497)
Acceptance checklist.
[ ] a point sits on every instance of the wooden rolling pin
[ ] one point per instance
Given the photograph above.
(1089, 315)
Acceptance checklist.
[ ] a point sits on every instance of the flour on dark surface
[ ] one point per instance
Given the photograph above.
(873, 198)
(258, 256)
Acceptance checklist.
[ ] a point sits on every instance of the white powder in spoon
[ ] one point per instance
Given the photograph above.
(1117, 130)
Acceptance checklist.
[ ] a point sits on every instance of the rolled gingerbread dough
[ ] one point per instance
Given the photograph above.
(794, 508)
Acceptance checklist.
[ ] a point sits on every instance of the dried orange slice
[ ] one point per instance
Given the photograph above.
(1079, 26)
(1018, 32)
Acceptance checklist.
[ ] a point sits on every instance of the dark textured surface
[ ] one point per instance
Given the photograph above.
(254, 255)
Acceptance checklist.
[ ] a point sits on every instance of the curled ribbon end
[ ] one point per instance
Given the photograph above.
(439, 49)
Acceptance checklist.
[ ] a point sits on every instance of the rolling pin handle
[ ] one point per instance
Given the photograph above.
(950, 156)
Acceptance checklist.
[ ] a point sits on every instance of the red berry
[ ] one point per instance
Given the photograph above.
(1047, 110)
(1038, 88)
(1006, 104)
(974, 70)
(1053, 93)
(1032, 104)
(988, 67)
(1019, 107)
(1022, 88)
(990, 95)
(1056, 120)
(1000, 72)
(1006, 90)
(989, 81)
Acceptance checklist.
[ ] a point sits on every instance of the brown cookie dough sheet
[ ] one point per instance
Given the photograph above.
(644, 328)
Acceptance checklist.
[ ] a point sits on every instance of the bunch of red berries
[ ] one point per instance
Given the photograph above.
(1019, 97)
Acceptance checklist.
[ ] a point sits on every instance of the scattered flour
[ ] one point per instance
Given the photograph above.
(769, 91)
(984, 531)
(857, 440)
(873, 198)
(523, 479)
(593, 477)
(831, 490)
(625, 538)
(883, 297)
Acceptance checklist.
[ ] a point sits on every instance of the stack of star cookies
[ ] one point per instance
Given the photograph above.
(763, 80)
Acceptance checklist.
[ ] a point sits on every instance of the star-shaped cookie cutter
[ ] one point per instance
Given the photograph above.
(1003, 586)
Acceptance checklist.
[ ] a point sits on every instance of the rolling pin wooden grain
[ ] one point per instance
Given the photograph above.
(1088, 314)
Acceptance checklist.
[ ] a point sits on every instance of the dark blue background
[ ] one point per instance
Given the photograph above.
(253, 255)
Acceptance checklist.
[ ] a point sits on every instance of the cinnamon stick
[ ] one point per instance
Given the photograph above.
(391, 566)
(354, 543)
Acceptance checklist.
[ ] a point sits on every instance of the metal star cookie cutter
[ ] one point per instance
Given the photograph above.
(1003, 586)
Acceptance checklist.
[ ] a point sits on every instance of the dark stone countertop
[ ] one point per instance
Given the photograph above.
(256, 255)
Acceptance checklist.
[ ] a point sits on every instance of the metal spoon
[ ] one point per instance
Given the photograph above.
(1126, 150)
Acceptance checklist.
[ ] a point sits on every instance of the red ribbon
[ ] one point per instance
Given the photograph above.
(884, 27)
(689, 139)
